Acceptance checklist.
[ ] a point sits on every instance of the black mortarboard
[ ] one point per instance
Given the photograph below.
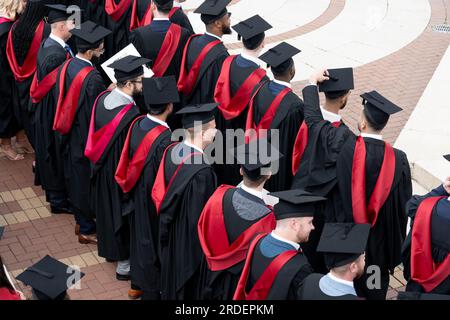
(447, 157)
(343, 243)
(279, 58)
(58, 12)
(193, 114)
(212, 10)
(256, 155)
(129, 67)
(2, 230)
(251, 27)
(48, 278)
(89, 35)
(341, 82)
(160, 91)
(295, 203)
(378, 108)
(164, 4)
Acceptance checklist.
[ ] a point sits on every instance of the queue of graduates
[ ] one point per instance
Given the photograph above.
(306, 209)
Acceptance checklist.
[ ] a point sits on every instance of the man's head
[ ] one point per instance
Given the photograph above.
(280, 61)
(215, 16)
(296, 229)
(337, 88)
(352, 270)
(252, 31)
(202, 134)
(129, 73)
(89, 39)
(159, 95)
(162, 6)
(61, 21)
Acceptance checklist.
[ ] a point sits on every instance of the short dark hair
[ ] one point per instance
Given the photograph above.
(333, 95)
(373, 124)
(253, 176)
(164, 8)
(156, 109)
(254, 42)
(283, 68)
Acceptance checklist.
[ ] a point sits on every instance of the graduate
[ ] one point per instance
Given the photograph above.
(118, 20)
(239, 77)
(274, 106)
(78, 84)
(144, 146)
(233, 216)
(178, 16)
(374, 183)
(425, 253)
(112, 115)
(22, 49)
(275, 265)
(316, 148)
(52, 53)
(344, 245)
(184, 183)
(204, 54)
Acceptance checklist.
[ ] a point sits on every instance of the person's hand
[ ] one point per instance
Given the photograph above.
(319, 77)
(446, 185)
(112, 86)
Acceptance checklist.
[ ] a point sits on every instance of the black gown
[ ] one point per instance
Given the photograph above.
(49, 160)
(182, 259)
(287, 120)
(144, 222)
(203, 90)
(119, 38)
(9, 124)
(440, 241)
(77, 168)
(387, 235)
(105, 194)
(310, 290)
(180, 18)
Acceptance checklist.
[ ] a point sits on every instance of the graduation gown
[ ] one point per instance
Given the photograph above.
(311, 289)
(440, 244)
(230, 220)
(107, 133)
(238, 79)
(24, 70)
(180, 192)
(287, 118)
(49, 160)
(273, 270)
(118, 17)
(389, 220)
(136, 177)
(9, 125)
(317, 170)
(207, 54)
(73, 129)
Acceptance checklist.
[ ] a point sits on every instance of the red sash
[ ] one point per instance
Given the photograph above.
(173, 11)
(167, 51)
(187, 80)
(261, 288)
(39, 89)
(28, 68)
(266, 120)
(160, 189)
(301, 141)
(368, 213)
(98, 140)
(231, 107)
(423, 269)
(3, 20)
(129, 170)
(146, 19)
(116, 11)
(68, 102)
(220, 254)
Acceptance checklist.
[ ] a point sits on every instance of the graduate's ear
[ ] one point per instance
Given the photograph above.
(241, 171)
(153, 6)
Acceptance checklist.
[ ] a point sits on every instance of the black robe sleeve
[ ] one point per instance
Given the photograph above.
(297, 282)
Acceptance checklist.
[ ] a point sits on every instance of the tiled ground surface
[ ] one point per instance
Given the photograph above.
(32, 232)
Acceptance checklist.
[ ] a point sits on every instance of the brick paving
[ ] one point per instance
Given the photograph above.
(31, 232)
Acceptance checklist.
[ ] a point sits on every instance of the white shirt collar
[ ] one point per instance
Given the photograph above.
(258, 61)
(256, 193)
(283, 83)
(58, 39)
(161, 19)
(213, 35)
(83, 59)
(124, 94)
(334, 278)
(330, 116)
(193, 146)
(373, 136)
(157, 120)
(292, 243)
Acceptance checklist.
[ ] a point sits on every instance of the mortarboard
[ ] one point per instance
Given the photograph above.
(295, 203)
(160, 91)
(48, 278)
(341, 82)
(378, 108)
(251, 27)
(2, 230)
(129, 67)
(447, 157)
(58, 12)
(197, 113)
(343, 243)
(89, 35)
(212, 10)
(280, 57)
(256, 155)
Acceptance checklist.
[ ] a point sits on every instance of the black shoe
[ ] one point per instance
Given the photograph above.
(122, 277)
(60, 210)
